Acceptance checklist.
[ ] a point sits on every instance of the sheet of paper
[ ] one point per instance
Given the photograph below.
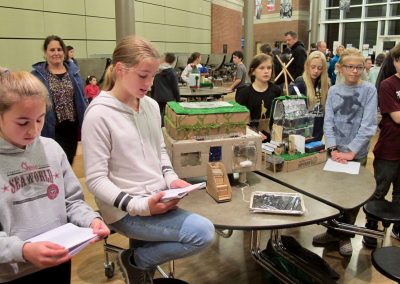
(69, 236)
(215, 104)
(181, 192)
(349, 168)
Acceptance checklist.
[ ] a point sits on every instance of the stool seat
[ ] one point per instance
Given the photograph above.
(382, 210)
(386, 260)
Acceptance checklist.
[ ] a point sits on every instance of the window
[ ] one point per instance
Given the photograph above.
(332, 33)
(395, 10)
(332, 14)
(351, 34)
(375, 11)
(383, 27)
(356, 2)
(373, 1)
(332, 3)
(394, 27)
(370, 31)
(354, 13)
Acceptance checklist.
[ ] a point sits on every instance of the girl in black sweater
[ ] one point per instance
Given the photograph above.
(261, 92)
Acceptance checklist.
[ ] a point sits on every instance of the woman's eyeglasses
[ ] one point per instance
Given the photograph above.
(353, 67)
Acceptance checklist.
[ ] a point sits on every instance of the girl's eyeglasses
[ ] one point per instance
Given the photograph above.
(352, 67)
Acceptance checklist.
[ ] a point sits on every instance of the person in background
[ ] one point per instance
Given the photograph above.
(350, 123)
(332, 64)
(61, 77)
(313, 47)
(368, 66)
(314, 84)
(266, 49)
(39, 189)
(374, 71)
(321, 46)
(193, 62)
(71, 54)
(165, 85)
(240, 77)
(128, 169)
(91, 88)
(296, 68)
(261, 92)
(387, 69)
(387, 148)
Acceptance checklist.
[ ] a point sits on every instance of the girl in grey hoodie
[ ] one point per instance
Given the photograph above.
(39, 190)
(127, 166)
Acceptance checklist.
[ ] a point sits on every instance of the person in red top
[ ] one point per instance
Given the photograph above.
(387, 149)
(91, 89)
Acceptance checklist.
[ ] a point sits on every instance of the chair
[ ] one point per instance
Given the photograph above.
(386, 260)
(384, 211)
(109, 266)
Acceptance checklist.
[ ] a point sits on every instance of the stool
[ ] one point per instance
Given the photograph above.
(109, 266)
(386, 260)
(384, 211)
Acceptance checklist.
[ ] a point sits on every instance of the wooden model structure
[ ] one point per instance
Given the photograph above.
(285, 73)
(218, 185)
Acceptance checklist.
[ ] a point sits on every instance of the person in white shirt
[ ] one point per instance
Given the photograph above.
(127, 166)
(193, 60)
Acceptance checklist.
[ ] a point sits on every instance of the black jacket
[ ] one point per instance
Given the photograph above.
(299, 54)
(165, 86)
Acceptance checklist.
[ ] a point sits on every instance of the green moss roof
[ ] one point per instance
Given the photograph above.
(178, 109)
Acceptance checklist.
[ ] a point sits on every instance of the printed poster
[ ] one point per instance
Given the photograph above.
(271, 5)
(286, 9)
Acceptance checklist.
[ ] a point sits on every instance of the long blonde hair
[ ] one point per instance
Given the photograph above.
(323, 79)
(16, 85)
(129, 51)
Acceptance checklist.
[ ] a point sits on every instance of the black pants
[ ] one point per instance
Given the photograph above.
(67, 135)
(60, 274)
(348, 216)
(386, 173)
(162, 106)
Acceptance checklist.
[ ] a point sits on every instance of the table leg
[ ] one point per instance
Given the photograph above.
(256, 255)
(224, 233)
(283, 252)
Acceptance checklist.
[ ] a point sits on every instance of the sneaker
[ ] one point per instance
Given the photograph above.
(131, 273)
(324, 238)
(395, 232)
(345, 248)
(369, 242)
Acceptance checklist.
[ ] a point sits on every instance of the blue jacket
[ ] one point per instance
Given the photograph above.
(39, 70)
(331, 69)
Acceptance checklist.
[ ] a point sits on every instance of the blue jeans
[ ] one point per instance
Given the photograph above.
(172, 235)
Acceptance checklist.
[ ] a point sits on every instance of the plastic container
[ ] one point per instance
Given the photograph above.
(274, 163)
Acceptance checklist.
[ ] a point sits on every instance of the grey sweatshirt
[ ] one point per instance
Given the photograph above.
(350, 117)
(39, 192)
(124, 156)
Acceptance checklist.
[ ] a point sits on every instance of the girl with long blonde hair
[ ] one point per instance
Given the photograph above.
(314, 85)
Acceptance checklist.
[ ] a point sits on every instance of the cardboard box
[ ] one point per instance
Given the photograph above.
(190, 158)
(297, 164)
(192, 126)
(301, 163)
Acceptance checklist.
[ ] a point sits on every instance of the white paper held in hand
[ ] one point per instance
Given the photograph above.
(181, 192)
(70, 236)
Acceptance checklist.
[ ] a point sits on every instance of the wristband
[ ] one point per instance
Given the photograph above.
(330, 150)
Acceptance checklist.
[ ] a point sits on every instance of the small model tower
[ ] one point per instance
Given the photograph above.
(218, 185)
